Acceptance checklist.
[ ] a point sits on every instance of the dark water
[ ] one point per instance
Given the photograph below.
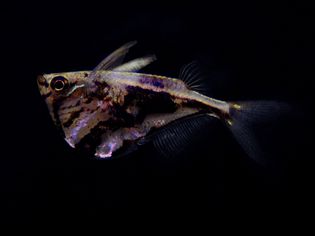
(250, 51)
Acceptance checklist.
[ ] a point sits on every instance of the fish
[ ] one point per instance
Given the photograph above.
(113, 109)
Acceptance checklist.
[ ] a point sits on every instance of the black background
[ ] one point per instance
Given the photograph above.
(250, 50)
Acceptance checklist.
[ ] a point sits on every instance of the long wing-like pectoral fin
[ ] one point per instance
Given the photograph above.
(114, 141)
(114, 59)
(136, 64)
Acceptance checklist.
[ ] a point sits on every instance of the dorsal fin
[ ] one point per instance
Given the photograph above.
(193, 77)
(113, 60)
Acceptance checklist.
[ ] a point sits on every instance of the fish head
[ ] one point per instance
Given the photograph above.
(59, 84)
(58, 88)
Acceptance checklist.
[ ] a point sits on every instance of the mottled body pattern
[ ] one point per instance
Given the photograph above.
(113, 106)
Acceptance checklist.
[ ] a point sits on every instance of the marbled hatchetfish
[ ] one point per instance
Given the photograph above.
(113, 107)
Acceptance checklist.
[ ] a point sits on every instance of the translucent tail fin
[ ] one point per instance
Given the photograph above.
(243, 116)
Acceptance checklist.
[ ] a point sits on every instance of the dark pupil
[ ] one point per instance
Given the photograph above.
(59, 84)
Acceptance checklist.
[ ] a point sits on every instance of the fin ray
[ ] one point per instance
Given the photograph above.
(113, 60)
(245, 115)
(173, 139)
(193, 78)
(136, 64)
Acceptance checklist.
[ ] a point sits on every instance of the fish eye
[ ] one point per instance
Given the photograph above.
(59, 83)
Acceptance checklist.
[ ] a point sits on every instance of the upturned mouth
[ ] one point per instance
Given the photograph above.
(43, 86)
(42, 81)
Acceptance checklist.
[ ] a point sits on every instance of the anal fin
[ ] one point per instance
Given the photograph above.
(175, 138)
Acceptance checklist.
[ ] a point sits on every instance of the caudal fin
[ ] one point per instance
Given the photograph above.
(243, 116)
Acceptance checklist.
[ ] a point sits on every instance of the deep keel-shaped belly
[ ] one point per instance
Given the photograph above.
(113, 141)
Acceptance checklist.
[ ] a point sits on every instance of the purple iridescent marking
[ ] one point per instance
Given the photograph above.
(72, 140)
(152, 81)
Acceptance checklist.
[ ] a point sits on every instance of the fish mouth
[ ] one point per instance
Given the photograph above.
(43, 86)
(41, 80)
